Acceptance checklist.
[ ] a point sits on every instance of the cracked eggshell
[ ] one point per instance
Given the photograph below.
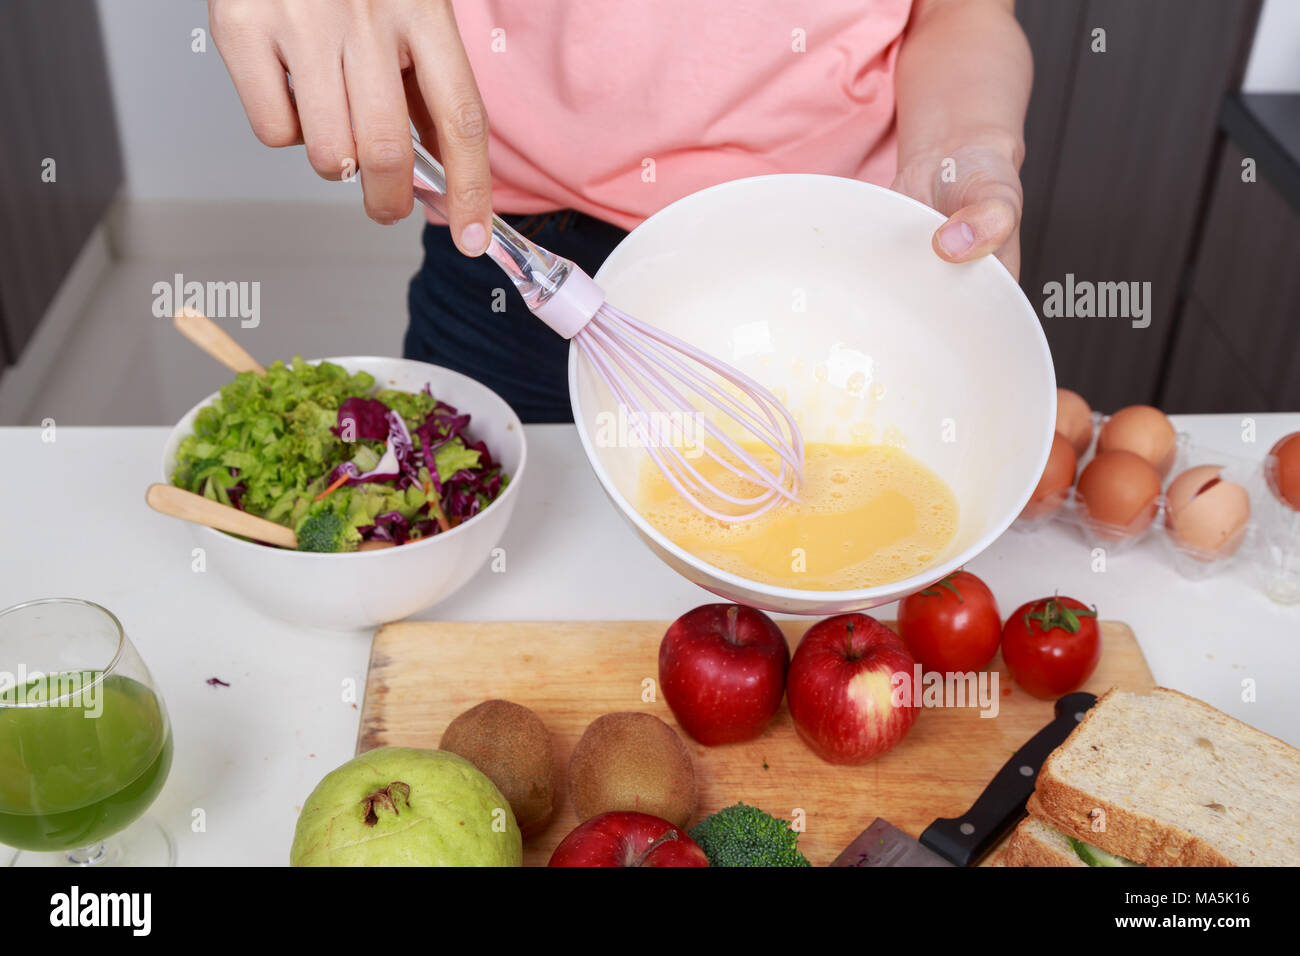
(1205, 514)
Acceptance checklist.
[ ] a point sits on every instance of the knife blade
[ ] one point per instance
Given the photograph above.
(962, 841)
(883, 844)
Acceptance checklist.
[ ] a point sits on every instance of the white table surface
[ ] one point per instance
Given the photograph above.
(247, 755)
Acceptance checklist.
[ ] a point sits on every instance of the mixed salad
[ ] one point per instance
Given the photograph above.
(319, 449)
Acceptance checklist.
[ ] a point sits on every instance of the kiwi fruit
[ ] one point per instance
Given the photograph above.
(632, 761)
(512, 747)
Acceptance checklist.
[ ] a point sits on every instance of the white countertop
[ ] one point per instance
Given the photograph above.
(75, 524)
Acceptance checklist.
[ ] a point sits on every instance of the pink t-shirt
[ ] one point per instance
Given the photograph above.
(618, 107)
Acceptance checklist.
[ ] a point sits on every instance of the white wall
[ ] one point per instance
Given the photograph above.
(184, 134)
(1274, 65)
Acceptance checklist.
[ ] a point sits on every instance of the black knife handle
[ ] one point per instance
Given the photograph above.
(967, 838)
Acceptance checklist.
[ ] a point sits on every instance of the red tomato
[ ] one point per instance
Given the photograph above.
(952, 626)
(1051, 645)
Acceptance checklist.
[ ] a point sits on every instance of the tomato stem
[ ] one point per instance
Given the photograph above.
(946, 583)
(1054, 612)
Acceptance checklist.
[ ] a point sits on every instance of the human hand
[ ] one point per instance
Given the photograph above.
(362, 70)
(977, 186)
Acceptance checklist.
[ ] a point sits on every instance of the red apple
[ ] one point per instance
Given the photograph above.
(722, 671)
(627, 838)
(840, 689)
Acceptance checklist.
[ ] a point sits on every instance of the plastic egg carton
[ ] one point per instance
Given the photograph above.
(1097, 534)
(1196, 563)
(1267, 550)
(1277, 545)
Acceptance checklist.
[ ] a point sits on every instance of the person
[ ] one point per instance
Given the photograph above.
(577, 119)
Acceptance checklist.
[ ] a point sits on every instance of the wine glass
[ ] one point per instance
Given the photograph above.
(85, 744)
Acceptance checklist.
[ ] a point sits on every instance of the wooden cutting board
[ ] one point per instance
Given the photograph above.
(422, 674)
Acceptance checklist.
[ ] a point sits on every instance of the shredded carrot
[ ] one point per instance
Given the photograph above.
(335, 484)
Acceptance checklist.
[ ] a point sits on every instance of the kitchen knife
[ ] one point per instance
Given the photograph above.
(963, 840)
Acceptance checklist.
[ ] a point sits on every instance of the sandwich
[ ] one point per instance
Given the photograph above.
(1162, 779)
(1036, 843)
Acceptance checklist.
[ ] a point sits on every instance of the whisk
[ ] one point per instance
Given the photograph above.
(657, 378)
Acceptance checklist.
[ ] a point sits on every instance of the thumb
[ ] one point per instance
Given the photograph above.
(977, 229)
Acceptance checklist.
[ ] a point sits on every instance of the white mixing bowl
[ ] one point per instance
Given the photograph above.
(365, 588)
(828, 290)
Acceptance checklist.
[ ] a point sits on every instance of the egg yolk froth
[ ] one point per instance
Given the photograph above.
(867, 515)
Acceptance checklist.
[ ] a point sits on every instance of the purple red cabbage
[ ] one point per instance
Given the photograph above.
(471, 488)
(369, 417)
(442, 425)
(399, 439)
(395, 527)
(398, 442)
(424, 527)
(462, 496)
(389, 526)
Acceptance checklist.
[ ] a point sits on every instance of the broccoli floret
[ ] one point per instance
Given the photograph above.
(746, 836)
(326, 531)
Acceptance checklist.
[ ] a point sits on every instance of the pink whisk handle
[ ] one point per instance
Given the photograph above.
(553, 288)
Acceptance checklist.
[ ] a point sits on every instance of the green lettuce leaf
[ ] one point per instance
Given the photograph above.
(452, 457)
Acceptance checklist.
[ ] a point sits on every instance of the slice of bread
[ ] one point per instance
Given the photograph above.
(1035, 843)
(1166, 780)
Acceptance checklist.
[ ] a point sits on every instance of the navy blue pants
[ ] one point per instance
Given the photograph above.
(512, 352)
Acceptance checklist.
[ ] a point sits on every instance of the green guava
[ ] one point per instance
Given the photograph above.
(401, 806)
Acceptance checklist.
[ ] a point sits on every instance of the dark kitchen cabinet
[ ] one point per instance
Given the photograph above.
(55, 108)
(1237, 345)
(1121, 146)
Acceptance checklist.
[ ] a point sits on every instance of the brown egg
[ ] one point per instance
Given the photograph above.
(1206, 514)
(1058, 476)
(1282, 467)
(1144, 431)
(1119, 490)
(1074, 420)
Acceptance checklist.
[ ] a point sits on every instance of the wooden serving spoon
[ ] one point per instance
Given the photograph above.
(216, 341)
(186, 505)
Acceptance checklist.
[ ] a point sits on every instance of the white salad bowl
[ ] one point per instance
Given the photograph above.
(366, 588)
(827, 291)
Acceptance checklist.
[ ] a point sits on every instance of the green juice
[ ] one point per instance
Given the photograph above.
(71, 776)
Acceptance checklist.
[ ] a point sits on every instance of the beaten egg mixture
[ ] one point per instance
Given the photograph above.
(867, 515)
